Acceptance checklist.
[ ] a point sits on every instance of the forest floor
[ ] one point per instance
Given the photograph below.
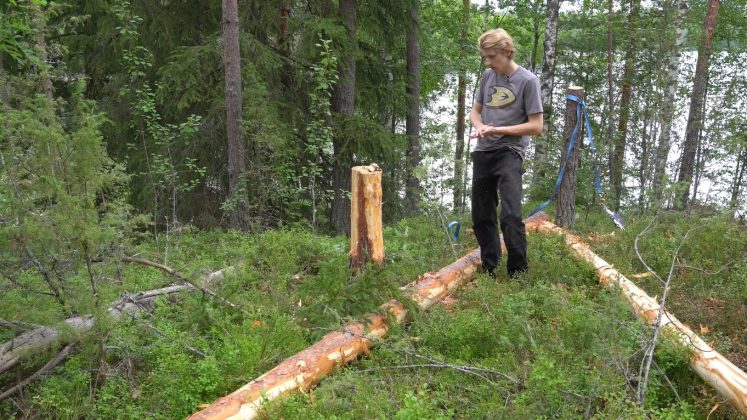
(551, 344)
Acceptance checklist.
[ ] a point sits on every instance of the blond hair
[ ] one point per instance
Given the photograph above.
(497, 40)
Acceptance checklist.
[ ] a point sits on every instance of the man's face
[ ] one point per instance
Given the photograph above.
(496, 60)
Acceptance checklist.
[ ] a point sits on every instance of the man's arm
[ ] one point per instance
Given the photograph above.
(475, 116)
(533, 127)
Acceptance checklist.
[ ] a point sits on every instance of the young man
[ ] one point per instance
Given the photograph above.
(507, 110)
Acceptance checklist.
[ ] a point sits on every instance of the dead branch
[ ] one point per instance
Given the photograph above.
(648, 357)
(184, 279)
(44, 369)
(39, 339)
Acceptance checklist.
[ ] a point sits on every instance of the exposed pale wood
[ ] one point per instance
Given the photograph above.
(305, 369)
(709, 364)
(366, 238)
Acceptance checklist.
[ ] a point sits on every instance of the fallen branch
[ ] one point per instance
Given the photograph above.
(44, 369)
(42, 338)
(180, 277)
(17, 326)
(651, 346)
(460, 368)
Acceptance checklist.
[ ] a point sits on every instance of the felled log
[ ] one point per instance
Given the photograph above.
(305, 369)
(366, 239)
(709, 364)
(43, 338)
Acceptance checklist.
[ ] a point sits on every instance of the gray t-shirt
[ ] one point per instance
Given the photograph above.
(507, 101)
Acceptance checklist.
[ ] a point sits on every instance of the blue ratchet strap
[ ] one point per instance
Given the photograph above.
(455, 234)
(597, 177)
(571, 144)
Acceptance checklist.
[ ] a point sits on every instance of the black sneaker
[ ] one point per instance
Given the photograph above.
(489, 270)
(513, 274)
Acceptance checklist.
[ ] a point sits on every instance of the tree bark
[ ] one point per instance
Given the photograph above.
(39, 23)
(726, 378)
(618, 155)
(535, 35)
(460, 123)
(286, 77)
(667, 106)
(647, 165)
(738, 180)
(566, 204)
(695, 117)
(343, 102)
(366, 238)
(644, 155)
(546, 87)
(233, 99)
(610, 86)
(3, 89)
(412, 122)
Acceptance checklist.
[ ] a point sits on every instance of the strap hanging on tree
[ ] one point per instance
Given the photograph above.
(581, 110)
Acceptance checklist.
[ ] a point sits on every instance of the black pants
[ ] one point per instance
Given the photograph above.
(493, 172)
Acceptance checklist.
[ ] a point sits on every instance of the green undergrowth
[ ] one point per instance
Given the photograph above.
(292, 286)
(550, 344)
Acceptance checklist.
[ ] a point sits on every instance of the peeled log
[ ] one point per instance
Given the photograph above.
(305, 369)
(366, 241)
(43, 338)
(715, 369)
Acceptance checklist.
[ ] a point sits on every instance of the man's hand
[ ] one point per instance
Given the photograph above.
(484, 131)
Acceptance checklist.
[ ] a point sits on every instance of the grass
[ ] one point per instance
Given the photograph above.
(570, 347)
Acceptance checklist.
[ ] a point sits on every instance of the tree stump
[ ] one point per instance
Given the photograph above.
(566, 204)
(366, 238)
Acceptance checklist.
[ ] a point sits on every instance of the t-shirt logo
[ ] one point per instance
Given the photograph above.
(502, 97)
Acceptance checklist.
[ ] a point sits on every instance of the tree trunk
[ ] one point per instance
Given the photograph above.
(535, 36)
(647, 169)
(618, 155)
(610, 86)
(709, 364)
(546, 88)
(366, 238)
(643, 156)
(667, 106)
(412, 122)
(284, 45)
(39, 24)
(3, 88)
(460, 123)
(343, 102)
(738, 180)
(566, 204)
(236, 147)
(695, 118)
